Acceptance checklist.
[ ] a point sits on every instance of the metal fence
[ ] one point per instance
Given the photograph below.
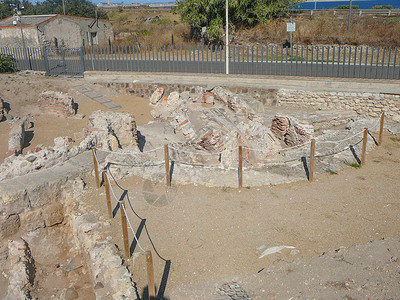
(312, 61)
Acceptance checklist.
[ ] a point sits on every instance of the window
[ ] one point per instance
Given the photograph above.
(93, 38)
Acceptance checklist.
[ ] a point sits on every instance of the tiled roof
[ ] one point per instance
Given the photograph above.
(26, 20)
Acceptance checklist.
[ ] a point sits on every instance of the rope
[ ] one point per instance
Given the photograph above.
(199, 153)
(129, 152)
(145, 225)
(227, 150)
(130, 226)
(127, 217)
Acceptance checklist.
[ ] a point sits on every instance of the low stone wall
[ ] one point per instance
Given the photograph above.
(367, 104)
(145, 90)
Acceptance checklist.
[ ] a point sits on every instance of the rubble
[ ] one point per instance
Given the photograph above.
(22, 275)
(58, 104)
(291, 131)
(3, 110)
(17, 136)
(112, 130)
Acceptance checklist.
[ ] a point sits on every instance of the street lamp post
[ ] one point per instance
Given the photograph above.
(17, 14)
(226, 38)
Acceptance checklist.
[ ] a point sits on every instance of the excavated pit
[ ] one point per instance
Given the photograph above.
(51, 246)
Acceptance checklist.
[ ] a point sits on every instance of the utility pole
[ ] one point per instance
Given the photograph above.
(227, 38)
(349, 25)
(63, 7)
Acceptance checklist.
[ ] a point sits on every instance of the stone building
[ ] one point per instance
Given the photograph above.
(55, 31)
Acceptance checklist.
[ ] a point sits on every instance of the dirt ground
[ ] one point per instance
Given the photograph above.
(214, 233)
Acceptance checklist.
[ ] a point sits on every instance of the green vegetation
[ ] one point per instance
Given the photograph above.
(395, 139)
(7, 63)
(331, 172)
(81, 8)
(354, 165)
(382, 7)
(211, 13)
(347, 7)
(392, 20)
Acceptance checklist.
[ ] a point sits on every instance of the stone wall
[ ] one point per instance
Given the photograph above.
(365, 104)
(145, 90)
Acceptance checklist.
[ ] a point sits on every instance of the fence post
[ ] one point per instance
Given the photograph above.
(167, 175)
(312, 160)
(107, 186)
(150, 275)
(96, 168)
(46, 60)
(364, 146)
(125, 230)
(381, 129)
(81, 52)
(240, 166)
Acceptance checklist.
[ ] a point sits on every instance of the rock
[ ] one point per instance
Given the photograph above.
(112, 130)
(9, 226)
(32, 220)
(208, 98)
(16, 136)
(57, 104)
(98, 285)
(3, 110)
(53, 214)
(70, 294)
(156, 96)
(291, 131)
(22, 273)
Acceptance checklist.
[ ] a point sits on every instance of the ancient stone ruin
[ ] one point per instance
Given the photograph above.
(58, 104)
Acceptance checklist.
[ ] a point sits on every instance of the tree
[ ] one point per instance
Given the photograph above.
(211, 13)
(81, 8)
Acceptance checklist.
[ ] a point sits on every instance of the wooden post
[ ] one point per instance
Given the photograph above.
(312, 160)
(240, 167)
(125, 230)
(381, 129)
(107, 186)
(364, 146)
(150, 276)
(96, 169)
(167, 175)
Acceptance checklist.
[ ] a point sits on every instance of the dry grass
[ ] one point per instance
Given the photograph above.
(158, 31)
(321, 29)
(326, 29)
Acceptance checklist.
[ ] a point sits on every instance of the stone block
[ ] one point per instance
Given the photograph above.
(32, 220)
(9, 226)
(53, 214)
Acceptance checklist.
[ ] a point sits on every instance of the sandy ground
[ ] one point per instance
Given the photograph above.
(214, 233)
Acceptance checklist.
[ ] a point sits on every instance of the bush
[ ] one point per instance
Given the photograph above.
(347, 7)
(382, 7)
(7, 63)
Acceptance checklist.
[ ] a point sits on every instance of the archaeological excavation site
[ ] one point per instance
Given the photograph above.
(127, 187)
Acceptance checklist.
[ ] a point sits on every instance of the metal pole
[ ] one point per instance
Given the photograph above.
(64, 9)
(291, 33)
(23, 43)
(227, 37)
(348, 26)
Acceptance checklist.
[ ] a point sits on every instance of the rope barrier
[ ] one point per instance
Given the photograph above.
(201, 154)
(127, 217)
(129, 152)
(227, 150)
(145, 225)
(130, 226)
